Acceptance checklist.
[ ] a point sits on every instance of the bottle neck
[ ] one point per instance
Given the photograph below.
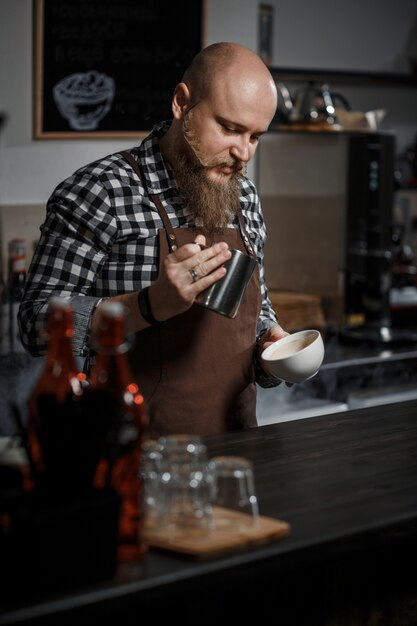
(60, 345)
(111, 364)
(17, 263)
(18, 266)
(111, 373)
(18, 277)
(111, 335)
(60, 375)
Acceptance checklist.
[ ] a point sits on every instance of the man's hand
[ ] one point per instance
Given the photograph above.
(184, 274)
(272, 334)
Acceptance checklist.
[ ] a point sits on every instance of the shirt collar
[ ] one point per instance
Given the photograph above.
(157, 175)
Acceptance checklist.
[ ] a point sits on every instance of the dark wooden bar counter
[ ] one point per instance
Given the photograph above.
(346, 483)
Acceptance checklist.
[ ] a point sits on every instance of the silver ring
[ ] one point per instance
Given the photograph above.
(194, 275)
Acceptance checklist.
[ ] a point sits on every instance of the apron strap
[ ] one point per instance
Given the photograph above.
(172, 240)
(243, 232)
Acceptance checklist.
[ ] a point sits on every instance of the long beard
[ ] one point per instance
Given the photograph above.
(212, 203)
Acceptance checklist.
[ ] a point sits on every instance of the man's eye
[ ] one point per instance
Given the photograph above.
(227, 129)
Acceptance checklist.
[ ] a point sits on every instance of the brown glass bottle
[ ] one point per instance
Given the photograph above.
(12, 296)
(58, 434)
(4, 316)
(116, 396)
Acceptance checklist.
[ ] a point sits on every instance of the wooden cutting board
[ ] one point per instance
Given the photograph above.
(226, 535)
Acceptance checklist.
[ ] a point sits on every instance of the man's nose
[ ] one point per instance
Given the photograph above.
(242, 150)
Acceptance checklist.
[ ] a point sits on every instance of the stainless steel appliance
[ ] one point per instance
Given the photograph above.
(368, 253)
(327, 199)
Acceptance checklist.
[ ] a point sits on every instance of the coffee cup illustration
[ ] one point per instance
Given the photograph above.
(84, 99)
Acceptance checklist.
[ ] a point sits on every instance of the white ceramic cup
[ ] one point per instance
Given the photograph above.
(296, 357)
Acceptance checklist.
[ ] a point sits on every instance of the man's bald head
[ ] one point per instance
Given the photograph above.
(225, 62)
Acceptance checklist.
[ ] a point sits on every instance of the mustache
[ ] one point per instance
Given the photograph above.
(239, 167)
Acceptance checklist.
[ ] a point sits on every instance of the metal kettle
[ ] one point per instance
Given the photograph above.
(311, 104)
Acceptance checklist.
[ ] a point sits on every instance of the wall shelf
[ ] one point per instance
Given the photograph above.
(360, 78)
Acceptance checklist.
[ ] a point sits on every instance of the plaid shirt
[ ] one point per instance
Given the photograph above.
(100, 238)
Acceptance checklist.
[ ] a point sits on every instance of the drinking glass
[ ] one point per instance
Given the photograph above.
(233, 495)
(184, 485)
(150, 472)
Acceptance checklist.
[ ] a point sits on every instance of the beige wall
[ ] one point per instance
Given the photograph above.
(302, 186)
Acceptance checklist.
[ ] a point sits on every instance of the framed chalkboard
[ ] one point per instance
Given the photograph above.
(108, 69)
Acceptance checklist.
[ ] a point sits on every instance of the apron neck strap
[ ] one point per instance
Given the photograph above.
(243, 232)
(172, 241)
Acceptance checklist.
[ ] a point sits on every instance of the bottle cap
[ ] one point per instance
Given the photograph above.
(112, 308)
(60, 302)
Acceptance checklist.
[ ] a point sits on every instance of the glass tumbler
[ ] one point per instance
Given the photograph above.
(150, 473)
(185, 490)
(233, 495)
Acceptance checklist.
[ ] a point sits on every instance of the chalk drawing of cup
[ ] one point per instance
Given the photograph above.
(83, 99)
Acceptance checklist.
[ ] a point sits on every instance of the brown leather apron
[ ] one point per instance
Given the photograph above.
(196, 370)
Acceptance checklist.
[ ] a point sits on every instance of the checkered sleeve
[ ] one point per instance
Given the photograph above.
(76, 236)
(255, 223)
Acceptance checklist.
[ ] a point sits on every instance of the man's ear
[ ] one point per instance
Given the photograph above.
(180, 101)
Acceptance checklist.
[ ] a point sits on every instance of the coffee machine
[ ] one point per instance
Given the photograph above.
(327, 200)
(369, 240)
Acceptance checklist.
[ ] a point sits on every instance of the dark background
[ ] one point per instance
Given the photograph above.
(144, 46)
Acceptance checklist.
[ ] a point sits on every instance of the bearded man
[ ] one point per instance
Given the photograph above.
(152, 228)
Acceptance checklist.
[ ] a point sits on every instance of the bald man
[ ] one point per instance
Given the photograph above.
(152, 228)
